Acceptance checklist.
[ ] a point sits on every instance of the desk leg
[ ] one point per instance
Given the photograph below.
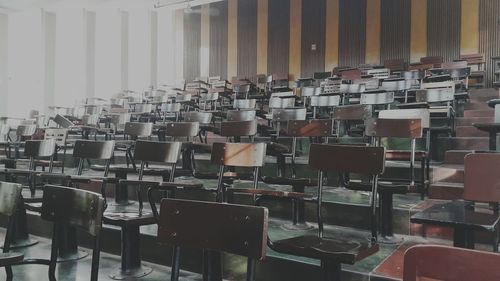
(463, 238)
(386, 216)
(298, 212)
(493, 141)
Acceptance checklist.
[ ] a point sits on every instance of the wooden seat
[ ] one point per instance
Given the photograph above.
(340, 250)
(236, 229)
(432, 262)
(333, 251)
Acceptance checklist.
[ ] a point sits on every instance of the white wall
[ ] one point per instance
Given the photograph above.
(91, 48)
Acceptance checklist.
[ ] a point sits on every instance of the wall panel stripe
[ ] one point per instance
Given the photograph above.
(205, 41)
(443, 28)
(278, 37)
(373, 31)
(418, 41)
(232, 39)
(352, 32)
(218, 40)
(469, 36)
(179, 44)
(192, 43)
(395, 30)
(262, 35)
(247, 38)
(489, 35)
(295, 38)
(332, 35)
(313, 34)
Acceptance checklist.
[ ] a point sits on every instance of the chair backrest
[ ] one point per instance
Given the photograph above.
(236, 229)
(380, 73)
(277, 102)
(310, 128)
(25, 130)
(198, 116)
(377, 97)
(436, 95)
(396, 84)
(481, 181)
(238, 128)
(347, 158)
(325, 100)
(90, 120)
(153, 151)
(352, 88)
(352, 112)
(4, 131)
(182, 129)
(58, 135)
(394, 128)
(244, 103)
(10, 196)
(171, 107)
(138, 129)
(143, 108)
(239, 154)
(74, 207)
(433, 262)
(413, 75)
(310, 91)
(287, 114)
(99, 150)
(62, 121)
(40, 148)
(241, 115)
(241, 88)
(435, 60)
(183, 98)
(395, 64)
(419, 113)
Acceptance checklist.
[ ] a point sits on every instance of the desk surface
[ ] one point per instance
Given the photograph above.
(456, 214)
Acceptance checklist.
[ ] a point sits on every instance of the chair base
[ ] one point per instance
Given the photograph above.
(23, 243)
(297, 227)
(137, 272)
(79, 254)
(390, 240)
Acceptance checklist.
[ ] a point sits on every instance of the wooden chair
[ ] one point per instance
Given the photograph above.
(335, 251)
(432, 262)
(395, 65)
(235, 229)
(204, 119)
(235, 130)
(434, 60)
(64, 207)
(395, 128)
(244, 103)
(349, 119)
(128, 220)
(318, 102)
(480, 186)
(60, 136)
(318, 131)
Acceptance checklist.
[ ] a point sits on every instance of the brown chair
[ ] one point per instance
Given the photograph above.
(64, 207)
(349, 119)
(318, 131)
(434, 60)
(234, 229)
(396, 128)
(431, 262)
(481, 180)
(395, 65)
(130, 220)
(333, 251)
(235, 130)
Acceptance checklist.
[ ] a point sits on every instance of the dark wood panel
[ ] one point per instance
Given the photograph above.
(192, 43)
(395, 30)
(313, 33)
(278, 37)
(247, 38)
(443, 28)
(218, 39)
(352, 32)
(489, 35)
